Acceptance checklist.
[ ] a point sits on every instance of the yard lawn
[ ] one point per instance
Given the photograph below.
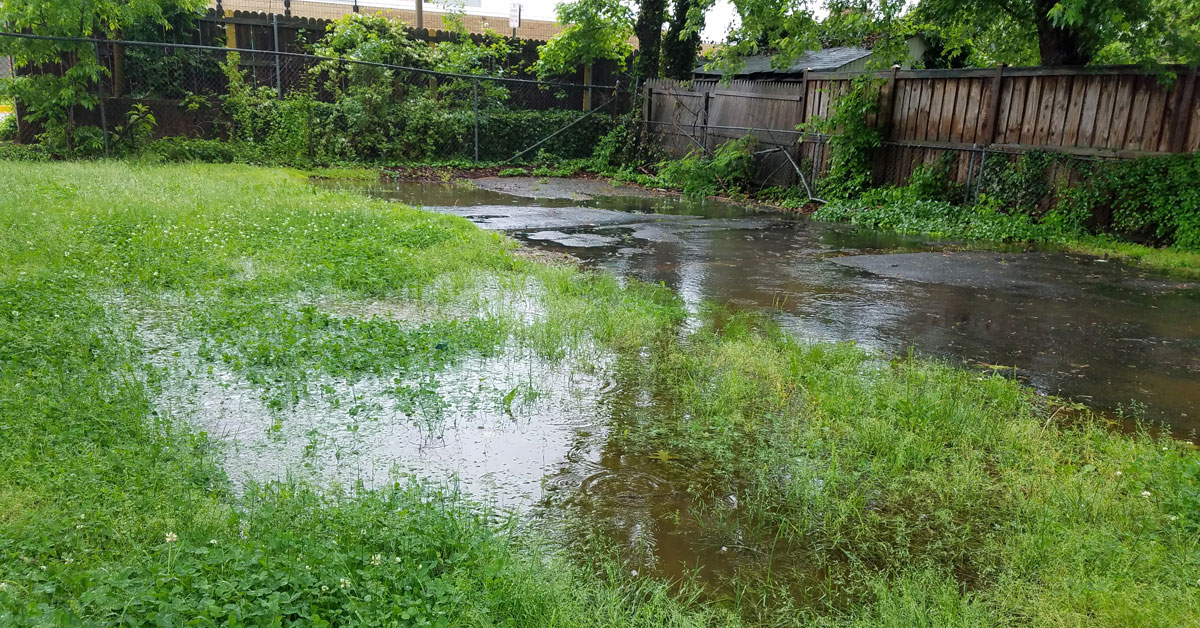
(922, 494)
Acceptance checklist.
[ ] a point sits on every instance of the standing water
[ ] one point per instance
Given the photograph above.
(1117, 338)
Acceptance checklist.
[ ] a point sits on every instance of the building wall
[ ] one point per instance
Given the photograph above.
(483, 15)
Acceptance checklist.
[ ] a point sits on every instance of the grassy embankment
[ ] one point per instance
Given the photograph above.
(1115, 210)
(918, 494)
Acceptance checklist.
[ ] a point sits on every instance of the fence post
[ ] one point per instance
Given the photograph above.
(118, 70)
(278, 69)
(890, 107)
(103, 108)
(647, 107)
(801, 109)
(1183, 111)
(475, 95)
(707, 98)
(587, 94)
(993, 111)
(230, 31)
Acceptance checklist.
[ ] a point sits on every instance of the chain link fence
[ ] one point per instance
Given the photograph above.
(331, 109)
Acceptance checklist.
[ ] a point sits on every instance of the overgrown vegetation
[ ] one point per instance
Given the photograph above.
(728, 169)
(852, 138)
(53, 99)
(866, 492)
(348, 113)
(1151, 201)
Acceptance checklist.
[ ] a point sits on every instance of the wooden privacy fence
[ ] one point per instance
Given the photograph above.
(1090, 112)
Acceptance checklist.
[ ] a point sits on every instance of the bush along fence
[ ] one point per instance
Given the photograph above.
(287, 107)
(919, 115)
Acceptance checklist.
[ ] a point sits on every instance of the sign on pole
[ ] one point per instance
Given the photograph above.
(514, 16)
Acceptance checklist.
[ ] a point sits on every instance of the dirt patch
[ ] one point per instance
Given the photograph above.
(438, 174)
(570, 188)
(546, 256)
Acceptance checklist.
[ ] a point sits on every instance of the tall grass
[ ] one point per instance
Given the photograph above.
(869, 492)
(110, 513)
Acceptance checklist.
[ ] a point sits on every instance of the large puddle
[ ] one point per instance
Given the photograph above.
(1120, 339)
(526, 433)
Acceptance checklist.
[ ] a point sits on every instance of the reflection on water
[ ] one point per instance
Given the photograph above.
(1089, 329)
(1115, 337)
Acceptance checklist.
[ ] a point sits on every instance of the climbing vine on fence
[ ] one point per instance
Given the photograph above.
(852, 138)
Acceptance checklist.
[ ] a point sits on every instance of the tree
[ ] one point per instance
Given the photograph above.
(595, 30)
(683, 39)
(648, 29)
(784, 29)
(52, 97)
(1066, 32)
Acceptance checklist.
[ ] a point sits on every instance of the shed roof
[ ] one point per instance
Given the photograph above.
(827, 59)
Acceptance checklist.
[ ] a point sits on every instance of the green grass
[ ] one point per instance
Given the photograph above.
(903, 210)
(870, 493)
(1173, 260)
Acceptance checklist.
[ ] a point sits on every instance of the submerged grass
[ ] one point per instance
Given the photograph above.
(876, 493)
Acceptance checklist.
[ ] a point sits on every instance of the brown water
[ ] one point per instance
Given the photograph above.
(1120, 339)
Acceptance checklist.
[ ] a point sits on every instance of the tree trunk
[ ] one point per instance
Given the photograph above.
(1058, 46)
(679, 50)
(648, 30)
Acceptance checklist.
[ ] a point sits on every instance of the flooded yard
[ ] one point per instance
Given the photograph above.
(1117, 338)
(351, 400)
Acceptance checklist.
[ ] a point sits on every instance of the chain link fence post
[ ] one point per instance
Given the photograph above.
(278, 68)
(475, 97)
(100, 93)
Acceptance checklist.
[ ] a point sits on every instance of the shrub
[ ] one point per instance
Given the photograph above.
(8, 128)
(210, 151)
(728, 170)
(23, 152)
(1152, 199)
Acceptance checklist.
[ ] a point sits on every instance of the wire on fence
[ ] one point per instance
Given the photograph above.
(489, 117)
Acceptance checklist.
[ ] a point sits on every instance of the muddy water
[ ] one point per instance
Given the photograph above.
(1120, 339)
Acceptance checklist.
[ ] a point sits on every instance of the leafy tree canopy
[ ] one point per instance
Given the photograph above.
(1065, 32)
(595, 30)
(50, 98)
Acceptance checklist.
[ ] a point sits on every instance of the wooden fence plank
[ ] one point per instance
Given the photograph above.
(1011, 131)
(1156, 105)
(903, 89)
(974, 119)
(1137, 116)
(1062, 102)
(912, 107)
(1091, 106)
(1171, 102)
(1184, 104)
(949, 107)
(993, 111)
(1075, 110)
(1045, 115)
(1104, 112)
(1121, 108)
(1033, 98)
(922, 128)
(961, 111)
